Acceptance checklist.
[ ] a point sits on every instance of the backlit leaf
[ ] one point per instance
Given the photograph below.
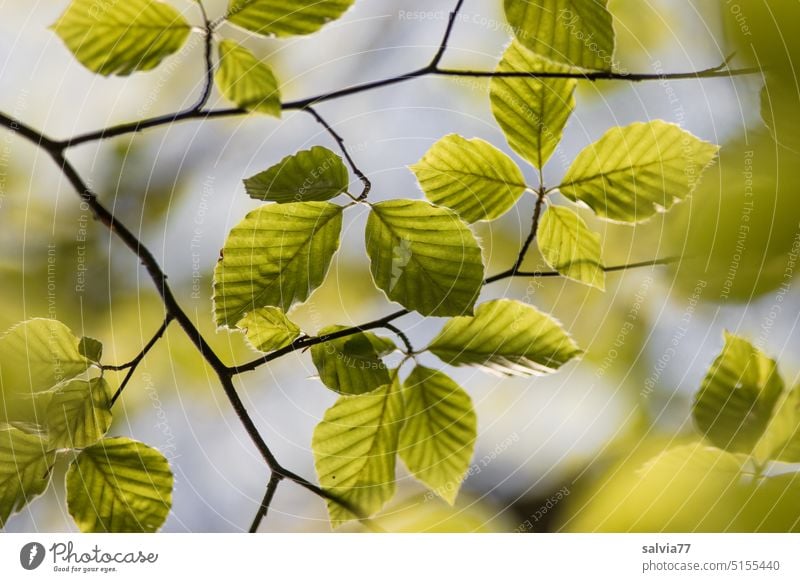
(352, 364)
(246, 81)
(285, 17)
(79, 414)
(24, 469)
(569, 247)
(268, 329)
(311, 175)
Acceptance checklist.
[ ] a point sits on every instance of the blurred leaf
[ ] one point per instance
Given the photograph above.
(275, 257)
(772, 505)
(352, 365)
(570, 247)
(79, 414)
(119, 485)
(780, 110)
(268, 329)
(246, 81)
(311, 175)
(470, 176)
(632, 172)
(781, 439)
(285, 17)
(579, 33)
(24, 469)
(355, 450)
(424, 257)
(91, 349)
(118, 38)
(532, 112)
(506, 337)
(737, 396)
(438, 438)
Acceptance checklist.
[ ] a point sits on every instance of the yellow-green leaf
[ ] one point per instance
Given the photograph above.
(24, 469)
(635, 171)
(578, 33)
(531, 112)
(79, 414)
(470, 176)
(275, 257)
(118, 38)
(268, 329)
(781, 438)
(91, 349)
(424, 257)
(353, 364)
(285, 17)
(438, 438)
(355, 451)
(570, 248)
(246, 81)
(119, 485)
(506, 337)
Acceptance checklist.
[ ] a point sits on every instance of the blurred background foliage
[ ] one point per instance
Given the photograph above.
(590, 428)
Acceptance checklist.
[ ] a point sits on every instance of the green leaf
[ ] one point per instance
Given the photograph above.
(570, 248)
(275, 257)
(285, 17)
(119, 485)
(780, 107)
(246, 81)
(118, 38)
(355, 450)
(531, 112)
(781, 438)
(268, 329)
(635, 171)
(352, 365)
(470, 176)
(438, 438)
(311, 175)
(91, 349)
(506, 337)
(79, 414)
(578, 33)
(424, 257)
(24, 469)
(39, 353)
(737, 396)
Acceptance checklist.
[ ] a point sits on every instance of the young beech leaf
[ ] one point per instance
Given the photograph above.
(470, 176)
(781, 438)
(118, 38)
(285, 17)
(737, 396)
(355, 451)
(569, 247)
(246, 81)
(424, 257)
(268, 329)
(311, 175)
(635, 171)
(578, 33)
(275, 257)
(352, 365)
(25, 465)
(79, 414)
(505, 337)
(531, 112)
(438, 438)
(119, 485)
(91, 349)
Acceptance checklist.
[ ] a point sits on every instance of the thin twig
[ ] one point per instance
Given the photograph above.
(537, 214)
(272, 487)
(403, 337)
(614, 269)
(451, 21)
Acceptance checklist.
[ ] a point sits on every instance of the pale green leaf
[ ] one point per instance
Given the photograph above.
(79, 414)
(506, 337)
(438, 438)
(531, 112)
(569, 247)
(311, 175)
(91, 349)
(781, 438)
(353, 364)
(119, 485)
(355, 451)
(424, 257)
(285, 17)
(246, 81)
(737, 396)
(275, 257)
(38, 354)
(24, 469)
(635, 171)
(118, 38)
(578, 33)
(470, 176)
(268, 329)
